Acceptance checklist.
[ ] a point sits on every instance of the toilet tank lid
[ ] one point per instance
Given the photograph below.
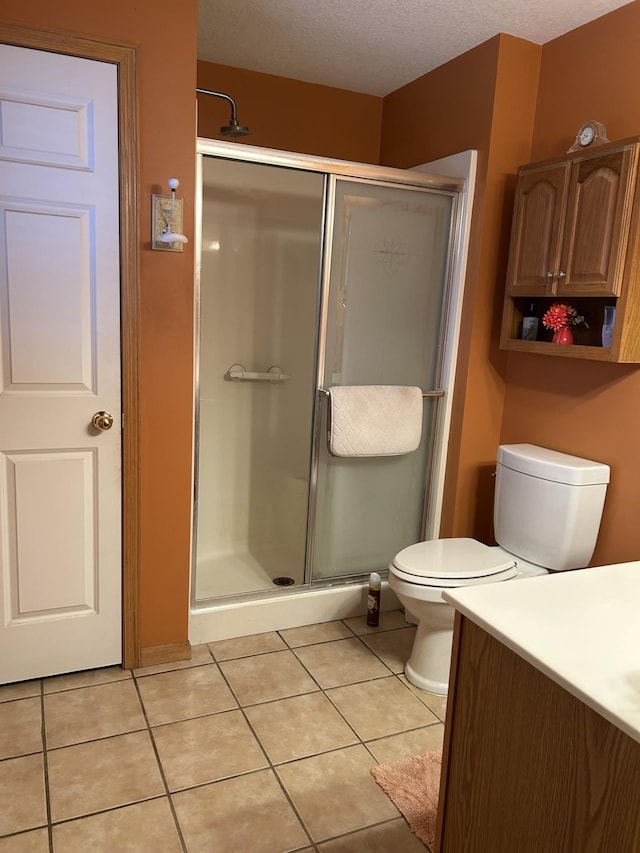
(551, 465)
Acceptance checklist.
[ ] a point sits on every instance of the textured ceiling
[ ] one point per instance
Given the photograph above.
(373, 46)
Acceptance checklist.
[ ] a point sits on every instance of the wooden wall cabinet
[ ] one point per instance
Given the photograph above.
(575, 238)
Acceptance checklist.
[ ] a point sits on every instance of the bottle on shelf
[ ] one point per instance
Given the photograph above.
(530, 324)
(607, 325)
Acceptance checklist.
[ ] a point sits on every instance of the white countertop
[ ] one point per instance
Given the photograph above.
(581, 628)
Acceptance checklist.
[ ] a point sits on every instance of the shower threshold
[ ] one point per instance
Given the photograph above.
(283, 607)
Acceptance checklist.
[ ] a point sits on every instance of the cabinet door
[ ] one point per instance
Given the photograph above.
(538, 220)
(596, 229)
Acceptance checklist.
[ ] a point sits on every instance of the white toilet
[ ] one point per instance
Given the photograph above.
(546, 515)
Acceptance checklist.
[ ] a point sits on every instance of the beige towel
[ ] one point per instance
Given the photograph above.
(374, 420)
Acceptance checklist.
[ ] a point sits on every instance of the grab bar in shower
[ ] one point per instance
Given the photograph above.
(436, 392)
(239, 373)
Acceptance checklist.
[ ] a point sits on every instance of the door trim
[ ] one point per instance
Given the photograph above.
(124, 56)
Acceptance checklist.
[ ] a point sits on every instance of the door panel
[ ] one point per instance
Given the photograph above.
(386, 304)
(60, 495)
(46, 131)
(595, 239)
(50, 304)
(34, 481)
(537, 231)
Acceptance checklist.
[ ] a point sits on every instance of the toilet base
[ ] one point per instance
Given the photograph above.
(438, 687)
(430, 661)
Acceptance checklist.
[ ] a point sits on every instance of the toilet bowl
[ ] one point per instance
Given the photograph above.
(420, 573)
(547, 512)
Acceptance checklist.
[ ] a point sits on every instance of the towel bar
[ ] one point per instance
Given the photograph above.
(437, 392)
(239, 373)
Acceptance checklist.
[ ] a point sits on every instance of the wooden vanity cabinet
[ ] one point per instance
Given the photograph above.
(527, 766)
(575, 238)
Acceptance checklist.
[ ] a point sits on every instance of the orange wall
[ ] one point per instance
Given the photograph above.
(484, 99)
(290, 115)
(579, 407)
(167, 79)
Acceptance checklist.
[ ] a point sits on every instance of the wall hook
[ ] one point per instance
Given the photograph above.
(166, 220)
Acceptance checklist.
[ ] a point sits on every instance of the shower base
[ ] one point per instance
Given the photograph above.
(243, 572)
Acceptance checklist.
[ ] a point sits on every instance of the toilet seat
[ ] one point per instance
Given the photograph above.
(452, 563)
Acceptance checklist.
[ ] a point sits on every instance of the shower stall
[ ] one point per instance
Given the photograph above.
(312, 273)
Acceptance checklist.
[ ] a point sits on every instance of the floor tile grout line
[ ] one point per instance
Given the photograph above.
(340, 639)
(360, 742)
(354, 832)
(95, 739)
(333, 704)
(290, 647)
(250, 704)
(154, 746)
(108, 810)
(135, 673)
(45, 768)
(292, 804)
(375, 654)
(349, 639)
(424, 701)
(331, 687)
(82, 686)
(20, 755)
(272, 764)
(381, 737)
(316, 642)
(18, 699)
(379, 656)
(274, 767)
(268, 759)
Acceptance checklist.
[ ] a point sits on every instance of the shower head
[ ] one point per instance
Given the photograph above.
(234, 129)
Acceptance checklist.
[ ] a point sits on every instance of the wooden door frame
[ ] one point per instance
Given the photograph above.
(124, 56)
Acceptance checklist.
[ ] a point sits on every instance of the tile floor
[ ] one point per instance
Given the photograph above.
(261, 744)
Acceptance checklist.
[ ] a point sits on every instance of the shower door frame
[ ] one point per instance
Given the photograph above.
(333, 170)
(429, 521)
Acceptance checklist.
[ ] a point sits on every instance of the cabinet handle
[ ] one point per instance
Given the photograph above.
(562, 274)
(548, 275)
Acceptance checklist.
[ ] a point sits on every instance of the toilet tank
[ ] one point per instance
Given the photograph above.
(548, 505)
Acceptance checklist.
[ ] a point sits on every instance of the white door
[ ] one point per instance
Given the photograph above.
(60, 492)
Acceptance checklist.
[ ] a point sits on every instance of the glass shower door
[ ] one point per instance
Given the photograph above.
(384, 317)
(258, 296)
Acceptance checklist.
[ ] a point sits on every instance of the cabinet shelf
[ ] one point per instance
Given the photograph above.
(575, 239)
(571, 351)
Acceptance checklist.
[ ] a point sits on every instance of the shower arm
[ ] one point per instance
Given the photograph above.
(234, 109)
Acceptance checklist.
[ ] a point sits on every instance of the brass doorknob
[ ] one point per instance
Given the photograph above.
(102, 420)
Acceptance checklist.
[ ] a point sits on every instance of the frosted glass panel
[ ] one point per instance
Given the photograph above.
(388, 272)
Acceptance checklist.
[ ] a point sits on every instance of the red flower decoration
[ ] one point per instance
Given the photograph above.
(560, 315)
